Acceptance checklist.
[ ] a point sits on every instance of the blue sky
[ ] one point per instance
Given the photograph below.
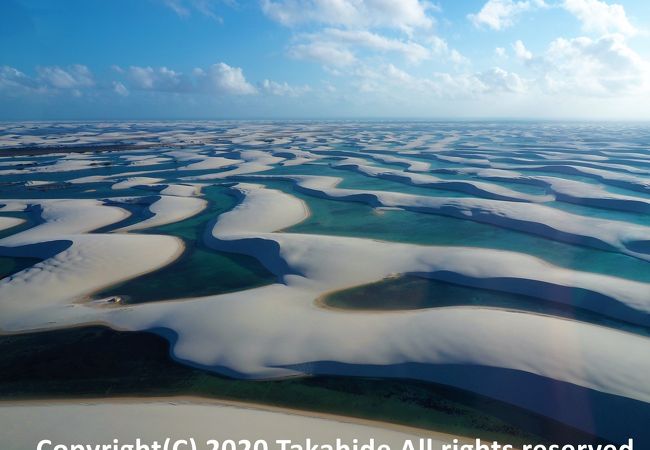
(172, 59)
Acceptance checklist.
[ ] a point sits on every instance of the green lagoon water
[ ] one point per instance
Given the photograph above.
(345, 218)
(200, 271)
(409, 292)
(203, 271)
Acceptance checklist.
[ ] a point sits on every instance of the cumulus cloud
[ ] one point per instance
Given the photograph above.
(283, 89)
(344, 35)
(219, 78)
(229, 80)
(337, 47)
(603, 66)
(326, 53)
(120, 89)
(467, 85)
(395, 82)
(404, 14)
(159, 79)
(501, 14)
(13, 80)
(440, 48)
(580, 67)
(49, 79)
(497, 79)
(412, 51)
(599, 17)
(521, 51)
(74, 77)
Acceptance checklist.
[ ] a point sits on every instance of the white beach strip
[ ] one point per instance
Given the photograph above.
(102, 420)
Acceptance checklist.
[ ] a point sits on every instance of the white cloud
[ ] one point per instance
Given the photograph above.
(412, 51)
(501, 14)
(120, 89)
(13, 80)
(406, 15)
(398, 84)
(497, 79)
(440, 48)
(345, 34)
(178, 7)
(73, 77)
(283, 89)
(185, 8)
(606, 66)
(143, 77)
(599, 17)
(500, 52)
(229, 80)
(335, 47)
(73, 80)
(219, 78)
(159, 79)
(521, 51)
(472, 85)
(326, 53)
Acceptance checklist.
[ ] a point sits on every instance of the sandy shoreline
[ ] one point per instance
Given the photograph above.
(195, 400)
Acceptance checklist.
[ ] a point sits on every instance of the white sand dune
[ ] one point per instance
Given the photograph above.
(212, 162)
(181, 190)
(282, 330)
(132, 182)
(287, 330)
(624, 180)
(62, 217)
(570, 191)
(80, 265)
(169, 209)
(411, 165)
(478, 188)
(76, 263)
(9, 222)
(627, 238)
